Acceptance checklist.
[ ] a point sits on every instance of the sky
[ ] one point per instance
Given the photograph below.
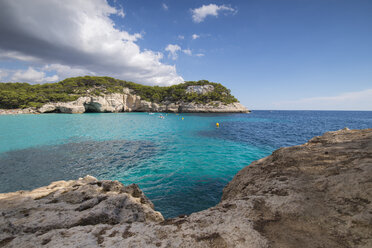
(272, 54)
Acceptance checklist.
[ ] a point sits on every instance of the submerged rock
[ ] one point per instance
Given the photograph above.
(317, 194)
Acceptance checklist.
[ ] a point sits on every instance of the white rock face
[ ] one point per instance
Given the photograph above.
(18, 111)
(129, 102)
(200, 89)
(172, 107)
(47, 108)
(213, 107)
(107, 103)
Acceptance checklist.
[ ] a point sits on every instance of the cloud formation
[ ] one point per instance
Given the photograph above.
(345, 101)
(195, 36)
(32, 75)
(3, 74)
(165, 7)
(187, 51)
(76, 34)
(199, 14)
(173, 49)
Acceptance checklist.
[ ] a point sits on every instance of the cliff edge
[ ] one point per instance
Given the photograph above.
(105, 94)
(317, 194)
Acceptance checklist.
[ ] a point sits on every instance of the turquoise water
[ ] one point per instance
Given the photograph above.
(181, 165)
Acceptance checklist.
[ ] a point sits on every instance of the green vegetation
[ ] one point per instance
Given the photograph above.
(22, 95)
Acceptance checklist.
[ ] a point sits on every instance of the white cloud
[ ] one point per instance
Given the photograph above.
(66, 71)
(173, 49)
(181, 37)
(33, 76)
(78, 34)
(121, 13)
(187, 51)
(165, 7)
(38, 75)
(3, 74)
(359, 100)
(199, 54)
(195, 36)
(199, 14)
(6, 55)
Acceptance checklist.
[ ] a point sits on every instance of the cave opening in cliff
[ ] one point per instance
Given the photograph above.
(92, 108)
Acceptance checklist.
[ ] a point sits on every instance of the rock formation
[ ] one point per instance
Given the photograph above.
(317, 194)
(18, 111)
(200, 89)
(129, 102)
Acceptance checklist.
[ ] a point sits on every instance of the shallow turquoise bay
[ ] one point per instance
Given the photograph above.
(181, 165)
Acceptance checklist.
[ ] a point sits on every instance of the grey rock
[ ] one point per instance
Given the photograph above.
(18, 111)
(67, 204)
(200, 89)
(213, 107)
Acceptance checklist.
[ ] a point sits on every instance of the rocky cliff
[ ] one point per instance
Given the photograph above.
(105, 94)
(317, 194)
(129, 102)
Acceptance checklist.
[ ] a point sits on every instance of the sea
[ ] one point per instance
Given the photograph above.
(181, 161)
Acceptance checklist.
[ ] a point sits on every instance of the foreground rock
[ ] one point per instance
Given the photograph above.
(66, 204)
(314, 195)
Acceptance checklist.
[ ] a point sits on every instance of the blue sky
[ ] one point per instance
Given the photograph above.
(295, 54)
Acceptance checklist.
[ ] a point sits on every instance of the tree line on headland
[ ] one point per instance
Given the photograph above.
(23, 95)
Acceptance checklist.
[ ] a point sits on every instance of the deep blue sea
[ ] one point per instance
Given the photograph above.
(181, 165)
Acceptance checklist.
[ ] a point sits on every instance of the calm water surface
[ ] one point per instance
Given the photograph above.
(181, 165)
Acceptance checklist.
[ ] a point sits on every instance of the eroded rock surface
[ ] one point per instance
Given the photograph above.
(129, 102)
(68, 204)
(317, 194)
(18, 111)
(200, 89)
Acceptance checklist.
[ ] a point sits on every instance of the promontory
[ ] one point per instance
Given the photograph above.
(105, 94)
(318, 194)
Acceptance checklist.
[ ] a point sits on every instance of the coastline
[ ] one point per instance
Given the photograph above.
(103, 94)
(318, 189)
(17, 111)
(106, 105)
(35, 112)
(205, 98)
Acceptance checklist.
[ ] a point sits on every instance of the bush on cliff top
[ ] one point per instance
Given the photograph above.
(22, 95)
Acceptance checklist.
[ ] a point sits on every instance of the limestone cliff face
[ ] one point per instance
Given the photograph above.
(200, 89)
(318, 194)
(129, 102)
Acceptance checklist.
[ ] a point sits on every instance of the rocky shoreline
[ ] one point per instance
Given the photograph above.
(130, 102)
(18, 111)
(318, 194)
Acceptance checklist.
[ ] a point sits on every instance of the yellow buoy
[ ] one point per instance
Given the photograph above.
(182, 118)
(217, 124)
